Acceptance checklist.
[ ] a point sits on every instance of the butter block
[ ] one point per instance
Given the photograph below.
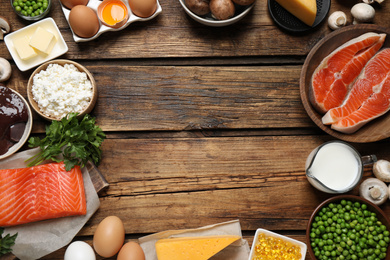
(43, 40)
(192, 248)
(304, 10)
(24, 50)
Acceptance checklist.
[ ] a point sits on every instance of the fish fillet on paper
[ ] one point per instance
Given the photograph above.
(40, 192)
(369, 97)
(334, 77)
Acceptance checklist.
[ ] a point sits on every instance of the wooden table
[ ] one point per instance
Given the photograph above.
(203, 124)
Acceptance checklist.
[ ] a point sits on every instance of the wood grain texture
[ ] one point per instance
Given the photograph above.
(174, 34)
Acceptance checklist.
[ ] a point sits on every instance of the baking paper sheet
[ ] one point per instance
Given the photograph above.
(238, 250)
(38, 239)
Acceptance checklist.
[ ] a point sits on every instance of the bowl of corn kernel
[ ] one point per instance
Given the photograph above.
(270, 245)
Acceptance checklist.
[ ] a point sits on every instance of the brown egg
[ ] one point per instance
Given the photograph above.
(72, 3)
(109, 236)
(143, 8)
(131, 251)
(83, 21)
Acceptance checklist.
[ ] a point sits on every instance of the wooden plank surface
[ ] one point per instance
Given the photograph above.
(203, 124)
(174, 34)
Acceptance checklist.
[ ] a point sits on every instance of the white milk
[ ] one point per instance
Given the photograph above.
(336, 165)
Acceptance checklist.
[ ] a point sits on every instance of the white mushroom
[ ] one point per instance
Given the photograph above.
(4, 27)
(5, 70)
(374, 190)
(362, 13)
(381, 170)
(337, 20)
(372, 1)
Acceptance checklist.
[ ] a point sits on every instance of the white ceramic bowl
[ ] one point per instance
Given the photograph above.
(272, 234)
(241, 12)
(59, 48)
(13, 149)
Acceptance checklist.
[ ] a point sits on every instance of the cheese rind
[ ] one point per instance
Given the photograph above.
(43, 40)
(23, 49)
(304, 10)
(192, 248)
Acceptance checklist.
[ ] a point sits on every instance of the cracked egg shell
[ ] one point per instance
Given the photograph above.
(83, 21)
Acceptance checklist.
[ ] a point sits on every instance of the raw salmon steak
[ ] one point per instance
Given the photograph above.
(40, 192)
(334, 77)
(368, 99)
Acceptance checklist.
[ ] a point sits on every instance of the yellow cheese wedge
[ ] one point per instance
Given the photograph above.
(24, 50)
(304, 10)
(192, 248)
(43, 40)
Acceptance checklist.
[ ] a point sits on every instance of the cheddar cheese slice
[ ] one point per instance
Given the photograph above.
(304, 10)
(192, 248)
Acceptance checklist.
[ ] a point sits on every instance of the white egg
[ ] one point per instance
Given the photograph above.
(79, 250)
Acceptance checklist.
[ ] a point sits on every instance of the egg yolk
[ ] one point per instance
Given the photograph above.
(114, 12)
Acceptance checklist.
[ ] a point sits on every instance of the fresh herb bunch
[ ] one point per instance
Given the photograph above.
(6, 242)
(77, 141)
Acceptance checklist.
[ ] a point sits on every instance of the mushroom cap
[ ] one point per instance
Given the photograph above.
(337, 20)
(381, 170)
(363, 12)
(374, 190)
(5, 69)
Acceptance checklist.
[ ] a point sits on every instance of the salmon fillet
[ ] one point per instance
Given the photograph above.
(369, 97)
(40, 192)
(334, 77)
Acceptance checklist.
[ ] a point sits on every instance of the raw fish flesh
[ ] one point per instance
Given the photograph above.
(40, 192)
(334, 77)
(369, 97)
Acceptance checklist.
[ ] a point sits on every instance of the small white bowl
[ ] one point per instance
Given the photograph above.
(59, 48)
(272, 234)
(210, 21)
(27, 130)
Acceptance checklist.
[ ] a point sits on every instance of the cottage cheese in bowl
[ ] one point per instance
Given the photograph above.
(61, 89)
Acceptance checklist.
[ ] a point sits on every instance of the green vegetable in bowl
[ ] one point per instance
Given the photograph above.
(77, 141)
(30, 7)
(348, 230)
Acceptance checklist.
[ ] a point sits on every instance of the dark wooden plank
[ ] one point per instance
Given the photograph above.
(155, 98)
(174, 34)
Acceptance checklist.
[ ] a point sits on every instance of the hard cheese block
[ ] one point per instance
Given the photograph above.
(304, 10)
(192, 248)
(43, 40)
(23, 49)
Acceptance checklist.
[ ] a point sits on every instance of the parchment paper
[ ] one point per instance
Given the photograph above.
(41, 238)
(238, 250)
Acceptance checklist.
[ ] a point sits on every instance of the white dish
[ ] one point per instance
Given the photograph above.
(27, 130)
(272, 234)
(94, 4)
(210, 21)
(59, 48)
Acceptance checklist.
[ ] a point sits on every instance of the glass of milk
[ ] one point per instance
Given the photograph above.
(336, 167)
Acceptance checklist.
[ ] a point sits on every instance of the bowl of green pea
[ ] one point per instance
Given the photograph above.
(348, 227)
(31, 10)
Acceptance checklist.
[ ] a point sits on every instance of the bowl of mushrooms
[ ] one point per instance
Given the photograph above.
(217, 13)
(348, 227)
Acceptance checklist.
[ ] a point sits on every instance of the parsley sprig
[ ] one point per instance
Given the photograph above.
(77, 141)
(6, 242)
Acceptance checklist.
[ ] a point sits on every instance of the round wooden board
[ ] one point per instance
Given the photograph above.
(375, 130)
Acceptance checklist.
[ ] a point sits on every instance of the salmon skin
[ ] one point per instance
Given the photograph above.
(40, 192)
(334, 77)
(369, 97)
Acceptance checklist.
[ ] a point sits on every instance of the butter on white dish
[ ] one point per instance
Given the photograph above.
(23, 49)
(43, 40)
(304, 10)
(58, 49)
